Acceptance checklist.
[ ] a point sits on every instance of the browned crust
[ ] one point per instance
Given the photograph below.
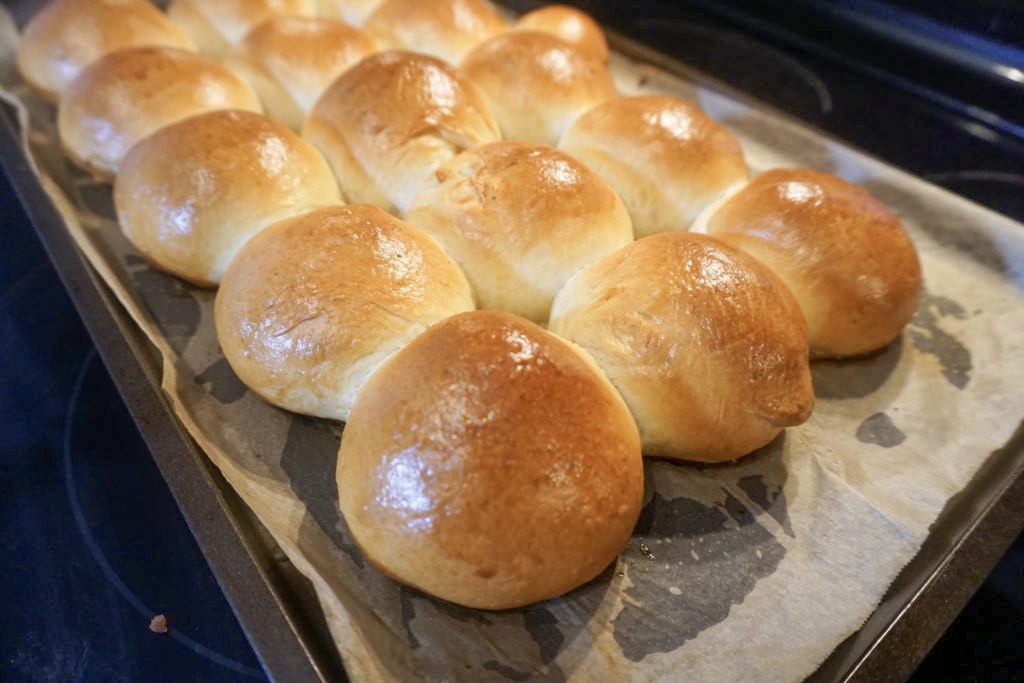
(520, 218)
(490, 464)
(569, 24)
(311, 297)
(190, 195)
(129, 94)
(845, 256)
(707, 346)
(447, 29)
(66, 36)
(537, 84)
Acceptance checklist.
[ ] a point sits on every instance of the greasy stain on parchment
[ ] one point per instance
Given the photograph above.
(170, 302)
(769, 498)
(309, 458)
(221, 381)
(880, 430)
(678, 587)
(928, 336)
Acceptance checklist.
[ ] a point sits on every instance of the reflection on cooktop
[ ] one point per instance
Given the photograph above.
(94, 545)
(103, 508)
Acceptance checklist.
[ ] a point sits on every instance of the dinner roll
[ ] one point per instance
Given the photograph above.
(393, 118)
(569, 24)
(129, 94)
(216, 25)
(845, 256)
(536, 84)
(707, 346)
(68, 35)
(491, 464)
(666, 159)
(311, 305)
(443, 28)
(352, 12)
(290, 61)
(520, 219)
(192, 193)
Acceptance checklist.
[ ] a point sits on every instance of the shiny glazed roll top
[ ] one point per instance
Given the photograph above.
(536, 83)
(191, 194)
(520, 218)
(216, 25)
(707, 346)
(491, 464)
(352, 12)
(290, 61)
(130, 94)
(848, 260)
(571, 25)
(392, 119)
(446, 29)
(66, 36)
(665, 158)
(311, 305)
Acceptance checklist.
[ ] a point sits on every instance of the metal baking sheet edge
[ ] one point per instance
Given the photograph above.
(242, 563)
(966, 541)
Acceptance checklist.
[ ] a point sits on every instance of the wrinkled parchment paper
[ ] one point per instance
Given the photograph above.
(751, 571)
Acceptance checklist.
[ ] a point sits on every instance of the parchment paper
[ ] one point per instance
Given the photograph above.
(751, 571)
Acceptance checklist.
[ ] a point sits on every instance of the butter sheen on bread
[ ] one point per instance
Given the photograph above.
(66, 36)
(191, 194)
(127, 95)
(846, 257)
(706, 344)
(311, 305)
(490, 463)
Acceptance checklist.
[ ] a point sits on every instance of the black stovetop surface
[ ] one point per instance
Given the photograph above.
(93, 545)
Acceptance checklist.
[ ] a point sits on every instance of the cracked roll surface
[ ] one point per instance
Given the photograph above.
(66, 36)
(192, 193)
(848, 260)
(706, 345)
(312, 304)
(491, 464)
(129, 94)
(666, 159)
(520, 218)
(390, 120)
(537, 84)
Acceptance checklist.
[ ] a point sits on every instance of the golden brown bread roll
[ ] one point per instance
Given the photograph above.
(129, 94)
(520, 219)
(536, 84)
(191, 194)
(353, 12)
(311, 305)
(569, 24)
(66, 36)
(666, 159)
(707, 346)
(491, 464)
(390, 120)
(216, 25)
(447, 29)
(844, 255)
(290, 61)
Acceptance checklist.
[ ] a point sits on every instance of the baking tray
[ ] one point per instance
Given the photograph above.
(276, 606)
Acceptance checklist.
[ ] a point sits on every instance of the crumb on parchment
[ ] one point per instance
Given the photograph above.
(158, 624)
